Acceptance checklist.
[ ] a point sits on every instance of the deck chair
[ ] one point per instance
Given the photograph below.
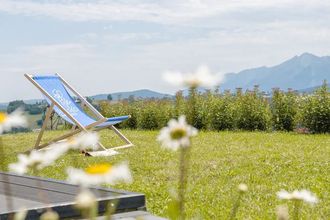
(55, 89)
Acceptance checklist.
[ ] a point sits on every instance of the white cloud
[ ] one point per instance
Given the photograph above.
(171, 12)
(226, 35)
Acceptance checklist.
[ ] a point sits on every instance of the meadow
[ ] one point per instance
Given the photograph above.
(266, 161)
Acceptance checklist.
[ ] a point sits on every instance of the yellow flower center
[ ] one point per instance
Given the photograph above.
(98, 169)
(3, 117)
(178, 133)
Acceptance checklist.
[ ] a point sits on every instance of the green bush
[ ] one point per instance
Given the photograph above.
(191, 110)
(133, 111)
(222, 116)
(203, 105)
(253, 112)
(316, 111)
(284, 110)
(226, 111)
(166, 111)
(197, 109)
(113, 110)
(180, 104)
(155, 114)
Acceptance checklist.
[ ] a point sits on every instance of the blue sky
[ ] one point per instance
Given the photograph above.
(110, 46)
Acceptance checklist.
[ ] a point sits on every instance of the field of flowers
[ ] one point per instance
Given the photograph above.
(219, 162)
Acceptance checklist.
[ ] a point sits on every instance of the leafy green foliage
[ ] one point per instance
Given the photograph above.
(32, 109)
(12, 106)
(148, 118)
(223, 114)
(249, 110)
(284, 110)
(316, 111)
(253, 112)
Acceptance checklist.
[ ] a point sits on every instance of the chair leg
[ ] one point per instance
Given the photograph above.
(59, 139)
(44, 125)
(101, 145)
(125, 139)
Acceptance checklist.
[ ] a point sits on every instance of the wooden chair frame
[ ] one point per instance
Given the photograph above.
(77, 126)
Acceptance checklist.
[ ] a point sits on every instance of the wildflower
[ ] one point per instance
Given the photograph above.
(176, 134)
(84, 140)
(303, 195)
(50, 215)
(43, 158)
(15, 119)
(242, 188)
(38, 159)
(85, 200)
(202, 77)
(25, 162)
(99, 174)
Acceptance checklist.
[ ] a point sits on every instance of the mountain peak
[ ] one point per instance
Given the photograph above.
(305, 59)
(303, 71)
(308, 55)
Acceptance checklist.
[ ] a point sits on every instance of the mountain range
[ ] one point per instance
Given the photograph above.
(304, 73)
(141, 94)
(138, 94)
(299, 72)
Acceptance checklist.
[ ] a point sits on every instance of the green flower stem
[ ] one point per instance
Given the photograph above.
(7, 188)
(192, 108)
(111, 209)
(93, 213)
(90, 213)
(235, 206)
(184, 159)
(296, 209)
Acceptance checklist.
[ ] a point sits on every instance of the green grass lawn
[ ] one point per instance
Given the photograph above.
(266, 162)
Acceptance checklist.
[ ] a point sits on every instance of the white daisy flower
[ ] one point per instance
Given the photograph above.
(303, 195)
(177, 134)
(85, 200)
(38, 159)
(243, 188)
(202, 77)
(99, 174)
(13, 120)
(26, 162)
(84, 140)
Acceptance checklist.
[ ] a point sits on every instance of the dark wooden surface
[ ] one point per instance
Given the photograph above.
(36, 194)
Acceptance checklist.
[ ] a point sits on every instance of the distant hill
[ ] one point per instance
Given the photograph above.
(311, 89)
(3, 106)
(142, 94)
(299, 72)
